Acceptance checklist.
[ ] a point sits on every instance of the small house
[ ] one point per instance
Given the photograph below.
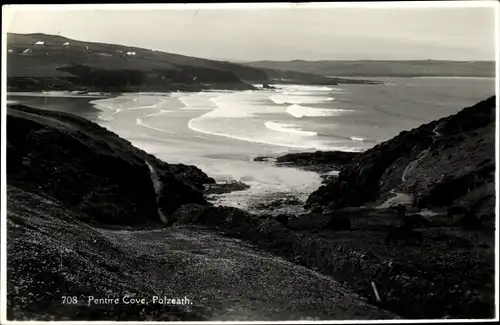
(39, 43)
(27, 52)
(10, 51)
(66, 44)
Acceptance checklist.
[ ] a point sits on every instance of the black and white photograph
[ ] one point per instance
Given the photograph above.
(250, 162)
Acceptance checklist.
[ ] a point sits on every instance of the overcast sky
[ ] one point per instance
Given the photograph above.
(279, 34)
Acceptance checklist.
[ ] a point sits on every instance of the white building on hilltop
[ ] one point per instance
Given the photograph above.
(130, 53)
(66, 44)
(39, 43)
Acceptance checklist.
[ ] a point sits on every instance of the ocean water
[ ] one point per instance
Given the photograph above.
(222, 131)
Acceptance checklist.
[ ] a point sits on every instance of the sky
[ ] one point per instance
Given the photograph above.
(291, 33)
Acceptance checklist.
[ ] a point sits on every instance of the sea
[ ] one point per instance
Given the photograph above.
(222, 132)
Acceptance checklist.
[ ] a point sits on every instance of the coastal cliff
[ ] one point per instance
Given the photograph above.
(93, 171)
(450, 161)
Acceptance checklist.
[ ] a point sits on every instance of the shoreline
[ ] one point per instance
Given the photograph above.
(207, 151)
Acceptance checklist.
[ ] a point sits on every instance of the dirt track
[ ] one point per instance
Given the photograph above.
(227, 279)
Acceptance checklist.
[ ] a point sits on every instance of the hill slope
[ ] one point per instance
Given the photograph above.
(93, 171)
(450, 161)
(60, 63)
(368, 68)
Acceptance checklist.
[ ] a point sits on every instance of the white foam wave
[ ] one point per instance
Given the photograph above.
(304, 111)
(105, 118)
(294, 99)
(304, 88)
(141, 123)
(142, 107)
(198, 101)
(288, 128)
(240, 105)
(98, 103)
(163, 111)
(228, 108)
(196, 125)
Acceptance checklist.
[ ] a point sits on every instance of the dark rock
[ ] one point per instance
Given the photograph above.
(400, 210)
(327, 158)
(234, 222)
(447, 190)
(281, 202)
(283, 219)
(471, 219)
(228, 187)
(263, 158)
(191, 174)
(470, 222)
(415, 221)
(224, 217)
(267, 86)
(338, 223)
(403, 235)
(453, 211)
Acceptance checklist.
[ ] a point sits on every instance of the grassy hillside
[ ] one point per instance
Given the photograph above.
(61, 63)
(368, 68)
(108, 67)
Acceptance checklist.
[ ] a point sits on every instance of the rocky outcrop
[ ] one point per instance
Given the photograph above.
(225, 187)
(91, 170)
(320, 161)
(447, 162)
(267, 86)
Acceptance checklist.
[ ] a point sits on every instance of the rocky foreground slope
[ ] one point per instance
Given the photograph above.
(86, 215)
(68, 178)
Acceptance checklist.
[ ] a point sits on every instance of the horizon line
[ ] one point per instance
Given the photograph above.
(261, 60)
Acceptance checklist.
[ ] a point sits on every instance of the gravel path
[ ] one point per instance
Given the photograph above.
(227, 279)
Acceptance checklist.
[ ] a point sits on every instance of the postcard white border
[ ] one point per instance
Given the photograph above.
(7, 9)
